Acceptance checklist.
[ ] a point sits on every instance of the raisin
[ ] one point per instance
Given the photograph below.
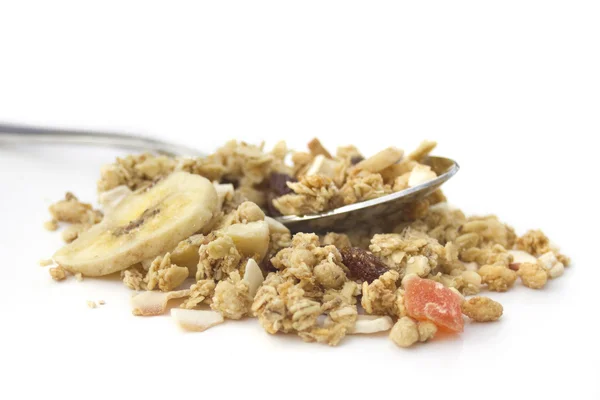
(356, 159)
(363, 265)
(267, 265)
(273, 212)
(278, 183)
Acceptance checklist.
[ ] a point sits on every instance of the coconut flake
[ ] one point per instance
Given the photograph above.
(371, 324)
(154, 303)
(196, 320)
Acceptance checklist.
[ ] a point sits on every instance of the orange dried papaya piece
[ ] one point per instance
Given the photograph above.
(427, 300)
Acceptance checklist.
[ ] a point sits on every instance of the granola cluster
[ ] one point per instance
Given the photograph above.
(245, 264)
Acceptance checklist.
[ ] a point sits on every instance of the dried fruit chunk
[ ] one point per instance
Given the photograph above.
(363, 265)
(428, 300)
(278, 183)
(143, 225)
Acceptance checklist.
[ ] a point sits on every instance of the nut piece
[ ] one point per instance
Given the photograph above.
(405, 332)
(251, 239)
(363, 265)
(533, 275)
(196, 320)
(482, 309)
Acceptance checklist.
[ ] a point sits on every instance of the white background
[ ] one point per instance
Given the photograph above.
(510, 89)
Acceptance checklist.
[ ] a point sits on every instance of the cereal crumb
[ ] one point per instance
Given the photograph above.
(101, 302)
(427, 330)
(91, 304)
(51, 225)
(497, 277)
(482, 309)
(45, 262)
(73, 211)
(379, 297)
(312, 194)
(405, 332)
(533, 275)
(202, 291)
(165, 275)
(231, 297)
(133, 278)
(58, 273)
(79, 277)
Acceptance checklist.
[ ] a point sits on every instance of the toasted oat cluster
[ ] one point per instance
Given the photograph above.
(412, 277)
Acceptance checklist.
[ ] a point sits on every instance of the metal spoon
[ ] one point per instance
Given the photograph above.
(340, 219)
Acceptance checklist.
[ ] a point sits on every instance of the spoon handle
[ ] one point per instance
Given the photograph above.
(24, 134)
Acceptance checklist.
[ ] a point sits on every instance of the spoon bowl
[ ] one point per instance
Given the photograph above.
(389, 207)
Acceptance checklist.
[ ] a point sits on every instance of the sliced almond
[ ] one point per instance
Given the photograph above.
(196, 320)
(154, 303)
(371, 324)
(253, 276)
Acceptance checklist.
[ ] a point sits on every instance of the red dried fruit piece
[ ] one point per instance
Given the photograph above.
(427, 300)
(363, 265)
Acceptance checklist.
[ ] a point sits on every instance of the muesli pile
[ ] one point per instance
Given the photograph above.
(168, 222)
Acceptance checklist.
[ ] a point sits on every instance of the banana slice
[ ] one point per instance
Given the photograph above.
(142, 226)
